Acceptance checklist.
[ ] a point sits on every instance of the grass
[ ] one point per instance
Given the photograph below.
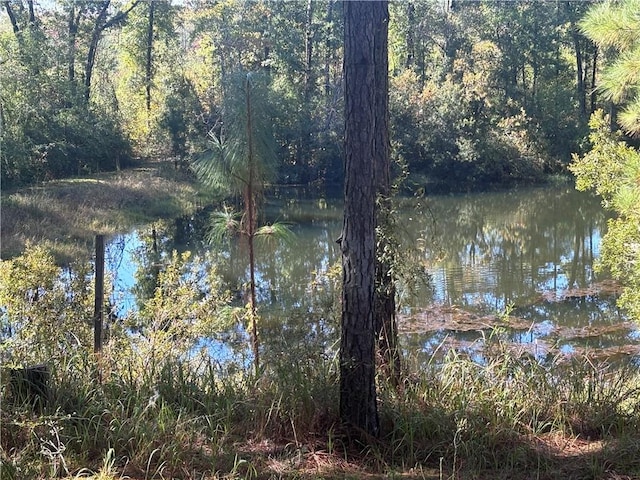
(508, 418)
(65, 215)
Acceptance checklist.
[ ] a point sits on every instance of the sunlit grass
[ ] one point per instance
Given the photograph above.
(66, 214)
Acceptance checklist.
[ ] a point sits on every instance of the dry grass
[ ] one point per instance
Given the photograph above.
(561, 457)
(67, 214)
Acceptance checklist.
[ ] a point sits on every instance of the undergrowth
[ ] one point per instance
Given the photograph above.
(195, 420)
(155, 404)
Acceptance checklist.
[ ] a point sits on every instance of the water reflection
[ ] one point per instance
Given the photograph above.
(503, 248)
(524, 257)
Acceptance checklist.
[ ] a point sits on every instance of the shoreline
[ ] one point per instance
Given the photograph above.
(66, 214)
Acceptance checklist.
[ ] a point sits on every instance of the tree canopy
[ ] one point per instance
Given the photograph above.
(481, 92)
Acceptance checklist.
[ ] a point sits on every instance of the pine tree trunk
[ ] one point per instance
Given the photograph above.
(149, 59)
(358, 407)
(251, 229)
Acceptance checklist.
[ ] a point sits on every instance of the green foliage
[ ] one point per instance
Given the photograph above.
(46, 129)
(617, 26)
(613, 25)
(472, 105)
(179, 119)
(448, 133)
(483, 106)
(188, 306)
(601, 168)
(45, 311)
(612, 169)
(243, 153)
(224, 225)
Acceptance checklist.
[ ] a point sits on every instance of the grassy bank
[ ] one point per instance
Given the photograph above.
(66, 214)
(508, 419)
(158, 405)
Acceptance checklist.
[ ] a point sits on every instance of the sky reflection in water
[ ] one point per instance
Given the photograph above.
(527, 253)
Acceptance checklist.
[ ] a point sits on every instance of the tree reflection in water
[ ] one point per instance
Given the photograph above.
(524, 258)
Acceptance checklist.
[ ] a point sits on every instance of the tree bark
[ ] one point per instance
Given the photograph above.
(594, 69)
(73, 23)
(358, 404)
(93, 47)
(328, 52)
(32, 13)
(12, 17)
(251, 228)
(308, 74)
(411, 44)
(580, 71)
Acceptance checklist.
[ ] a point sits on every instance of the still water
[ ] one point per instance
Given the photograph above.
(518, 264)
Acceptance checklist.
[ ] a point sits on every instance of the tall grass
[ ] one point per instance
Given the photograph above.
(151, 407)
(503, 413)
(193, 420)
(67, 214)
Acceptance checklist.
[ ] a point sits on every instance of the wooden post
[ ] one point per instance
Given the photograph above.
(99, 295)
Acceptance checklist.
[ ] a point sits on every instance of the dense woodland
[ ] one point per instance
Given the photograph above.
(481, 92)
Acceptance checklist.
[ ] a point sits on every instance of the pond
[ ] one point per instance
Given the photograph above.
(517, 264)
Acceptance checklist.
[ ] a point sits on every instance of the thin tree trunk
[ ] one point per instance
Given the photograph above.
(580, 74)
(149, 59)
(73, 22)
(71, 49)
(12, 17)
(93, 47)
(411, 44)
(358, 407)
(328, 53)
(251, 229)
(32, 13)
(594, 69)
(308, 75)
(101, 24)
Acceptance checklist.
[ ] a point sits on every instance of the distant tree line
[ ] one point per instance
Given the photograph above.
(481, 92)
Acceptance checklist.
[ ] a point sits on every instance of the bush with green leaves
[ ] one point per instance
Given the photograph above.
(47, 314)
(457, 137)
(612, 169)
(46, 311)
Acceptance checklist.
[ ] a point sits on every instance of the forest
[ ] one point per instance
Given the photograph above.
(481, 93)
(458, 131)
